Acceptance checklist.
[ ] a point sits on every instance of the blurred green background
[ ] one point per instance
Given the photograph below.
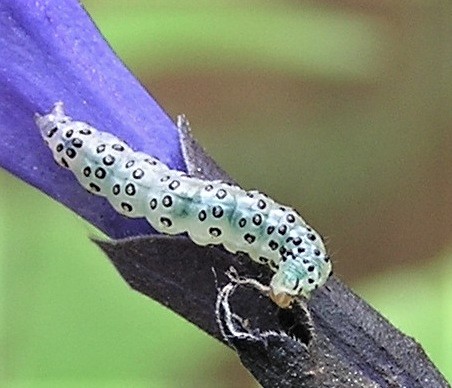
(341, 108)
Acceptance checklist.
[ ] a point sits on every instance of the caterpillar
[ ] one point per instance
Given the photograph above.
(173, 202)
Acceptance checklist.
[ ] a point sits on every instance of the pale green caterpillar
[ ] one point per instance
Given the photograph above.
(211, 212)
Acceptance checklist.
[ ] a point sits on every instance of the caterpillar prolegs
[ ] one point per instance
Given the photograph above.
(211, 212)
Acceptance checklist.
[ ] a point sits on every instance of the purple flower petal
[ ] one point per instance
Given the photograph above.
(51, 51)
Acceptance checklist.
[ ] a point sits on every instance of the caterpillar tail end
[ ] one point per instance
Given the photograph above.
(47, 121)
(57, 112)
(37, 117)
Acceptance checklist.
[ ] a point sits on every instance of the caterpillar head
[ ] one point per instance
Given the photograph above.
(298, 275)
